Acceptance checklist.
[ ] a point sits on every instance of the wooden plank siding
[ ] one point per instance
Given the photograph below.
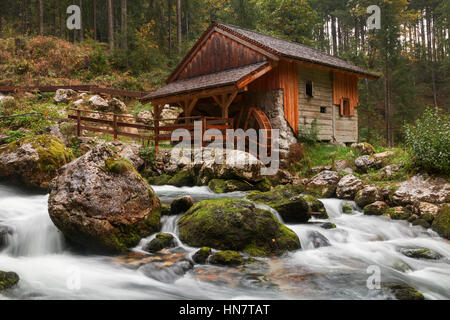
(332, 126)
(285, 77)
(219, 53)
(345, 86)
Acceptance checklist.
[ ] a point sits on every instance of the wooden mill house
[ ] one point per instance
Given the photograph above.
(258, 81)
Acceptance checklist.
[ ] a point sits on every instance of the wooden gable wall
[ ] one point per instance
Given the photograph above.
(345, 86)
(284, 76)
(219, 53)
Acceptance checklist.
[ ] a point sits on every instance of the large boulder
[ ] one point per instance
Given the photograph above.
(287, 201)
(367, 195)
(33, 160)
(230, 224)
(181, 205)
(324, 184)
(441, 222)
(100, 202)
(117, 106)
(65, 95)
(348, 186)
(98, 103)
(376, 161)
(423, 188)
(128, 151)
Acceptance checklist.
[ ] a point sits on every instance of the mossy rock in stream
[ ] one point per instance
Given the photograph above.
(232, 224)
(441, 222)
(183, 178)
(292, 206)
(316, 207)
(34, 160)
(398, 213)
(201, 256)
(402, 291)
(224, 186)
(161, 241)
(160, 180)
(227, 258)
(8, 280)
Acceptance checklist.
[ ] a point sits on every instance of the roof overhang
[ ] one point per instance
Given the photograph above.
(209, 85)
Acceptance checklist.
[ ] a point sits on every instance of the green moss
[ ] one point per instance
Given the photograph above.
(201, 256)
(182, 178)
(231, 224)
(398, 213)
(118, 165)
(159, 180)
(316, 207)
(347, 208)
(53, 154)
(441, 222)
(224, 186)
(264, 185)
(227, 258)
(8, 280)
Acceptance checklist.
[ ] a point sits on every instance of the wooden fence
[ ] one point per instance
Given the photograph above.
(153, 129)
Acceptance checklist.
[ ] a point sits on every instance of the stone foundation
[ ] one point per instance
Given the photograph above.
(271, 102)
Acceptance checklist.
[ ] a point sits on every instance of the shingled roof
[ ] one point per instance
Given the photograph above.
(214, 80)
(293, 50)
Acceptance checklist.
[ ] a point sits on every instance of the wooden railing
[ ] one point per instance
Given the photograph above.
(158, 130)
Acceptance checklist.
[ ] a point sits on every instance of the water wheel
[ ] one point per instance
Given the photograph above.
(254, 118)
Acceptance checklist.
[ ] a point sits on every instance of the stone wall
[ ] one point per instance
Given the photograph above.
(271, 102)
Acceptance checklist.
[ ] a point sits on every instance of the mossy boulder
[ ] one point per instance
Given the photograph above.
(316, 207)
(160, 180)
(264, 185)
(8, 280)
(161, 241)
(398, 213)
(287, 201)
(421, 253)
(367, 195)
(363, 148)
(101, 203)
(201, 256)
(227, 258)
(183, 178)
(441, 222)
(181, 205)
(402, 291)
(422, 223)
(376, 209)
(224, 186)
(33, 160)
(231, 224)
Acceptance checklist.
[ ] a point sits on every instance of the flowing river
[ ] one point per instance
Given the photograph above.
(333, 264)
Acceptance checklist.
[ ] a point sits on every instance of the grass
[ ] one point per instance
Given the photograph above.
(321, 154)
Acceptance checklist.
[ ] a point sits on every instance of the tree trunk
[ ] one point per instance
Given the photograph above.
(81, 22)
(41, 17)
(179, 25)
(123, 27)
(333, 34)
(170, 28)
(94, 18)
(110, 25)
(186, 14)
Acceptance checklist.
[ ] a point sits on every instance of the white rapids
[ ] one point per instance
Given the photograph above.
(48, 269)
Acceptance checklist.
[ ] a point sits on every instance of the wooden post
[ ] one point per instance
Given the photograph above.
(156, 122)
(203, 131)
(115, 127)
(78, 123)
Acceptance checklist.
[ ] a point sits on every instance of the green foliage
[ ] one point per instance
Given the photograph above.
(309, 135)
(148, 154)
(428, 140)
(99, 63)
(16, 135)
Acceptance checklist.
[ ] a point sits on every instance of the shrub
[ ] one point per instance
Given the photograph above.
(148, 154)
(428, 141)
